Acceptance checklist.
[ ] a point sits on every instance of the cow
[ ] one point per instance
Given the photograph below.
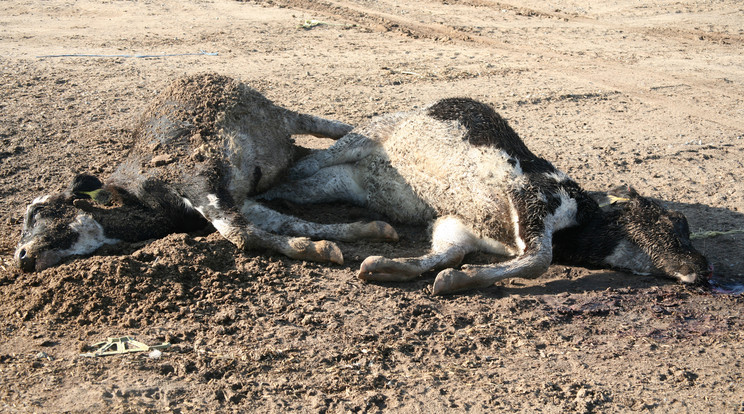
(200, 153)
(460, 167)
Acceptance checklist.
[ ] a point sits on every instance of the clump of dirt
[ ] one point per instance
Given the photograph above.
(180, 124)
(196, 102)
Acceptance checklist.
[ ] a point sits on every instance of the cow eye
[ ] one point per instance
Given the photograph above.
(37, 212)
(681, 226)
(32, 212)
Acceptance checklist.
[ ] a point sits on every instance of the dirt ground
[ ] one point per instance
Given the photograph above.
(645, 93)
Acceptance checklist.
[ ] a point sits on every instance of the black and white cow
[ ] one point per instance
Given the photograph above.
(201, 152)
(458, 165)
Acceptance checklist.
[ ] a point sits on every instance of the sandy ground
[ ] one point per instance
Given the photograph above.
(645, 93)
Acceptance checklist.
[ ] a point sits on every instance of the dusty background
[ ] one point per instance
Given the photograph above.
(647, 93)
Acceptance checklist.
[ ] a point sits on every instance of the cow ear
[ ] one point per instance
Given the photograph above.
(88, 186)
(623, 193)
(85, 183)
(601, 198)
(615, 196)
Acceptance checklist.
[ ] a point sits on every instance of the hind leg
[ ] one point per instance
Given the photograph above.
(233, 226)
(349, 149)
(330, 184)
(275, 222)
(319, 127)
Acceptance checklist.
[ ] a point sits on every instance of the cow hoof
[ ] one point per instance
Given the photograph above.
(378, 231)
(316, 251)
(450, 281)
(328, 252)
(382, 269)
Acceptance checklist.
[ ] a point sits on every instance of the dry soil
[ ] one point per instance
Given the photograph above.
(649, 94)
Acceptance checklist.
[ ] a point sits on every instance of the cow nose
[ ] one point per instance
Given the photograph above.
(694, 273)
(26, 261)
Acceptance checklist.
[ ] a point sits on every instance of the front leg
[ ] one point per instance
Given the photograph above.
(238, 230)
(531, 264)
(451, 241)
(382, 269)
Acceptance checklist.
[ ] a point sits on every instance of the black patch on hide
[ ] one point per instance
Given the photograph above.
(487, 128)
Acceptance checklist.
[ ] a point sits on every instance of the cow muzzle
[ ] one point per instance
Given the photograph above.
(25, 258)
(28, 259)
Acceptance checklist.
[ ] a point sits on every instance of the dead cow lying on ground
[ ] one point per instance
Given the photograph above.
(458, 164)
(200, 153)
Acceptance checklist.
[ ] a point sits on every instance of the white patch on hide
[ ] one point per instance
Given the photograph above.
(40, 200)
(565, 215)
(685, 278)
(630, 257)
(518, 179)
(223, 226)
(514, 216)
(450, 231)
(90, 236)
(187, 203)
(557, 176)
(213, 201)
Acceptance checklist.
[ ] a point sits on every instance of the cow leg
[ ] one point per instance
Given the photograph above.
(533, 263)
(317, 126)
(330, 184)
(275, 222)
(349, 149)
(451, 241)
(238, 230)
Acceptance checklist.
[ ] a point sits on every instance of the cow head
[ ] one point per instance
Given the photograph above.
(652, 234)
(60, 225)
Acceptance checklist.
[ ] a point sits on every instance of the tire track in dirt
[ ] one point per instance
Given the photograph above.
(520, 10)
(611, 77)
(717, 38)
(385, 22)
